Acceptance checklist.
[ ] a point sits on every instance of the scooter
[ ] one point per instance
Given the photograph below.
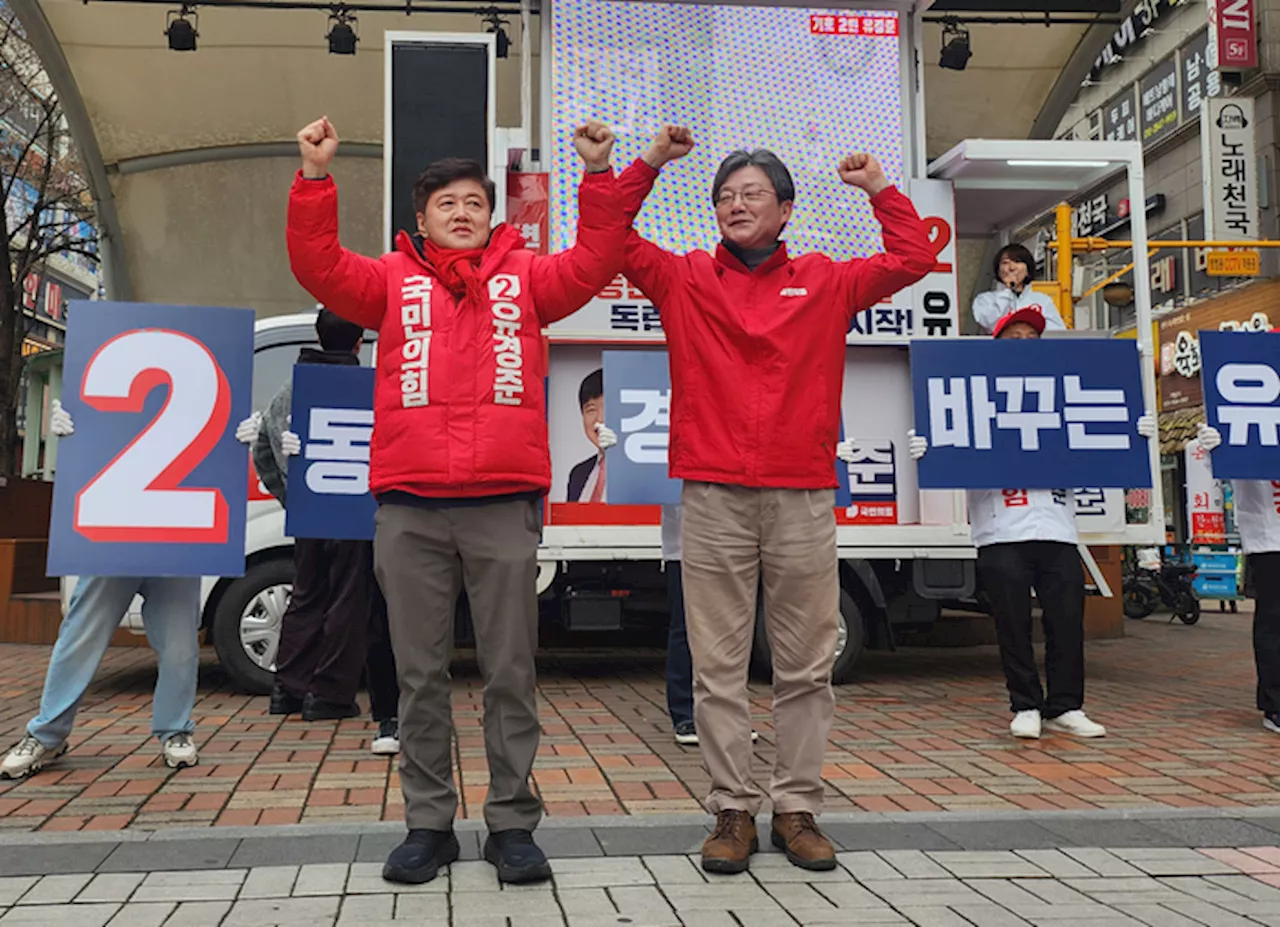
(1149, 586)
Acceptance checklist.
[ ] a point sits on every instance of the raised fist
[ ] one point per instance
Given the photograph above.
(670, 143)
(863, 171)
(594, 142)
(318, 143)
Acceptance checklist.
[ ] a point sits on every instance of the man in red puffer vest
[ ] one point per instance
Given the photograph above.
(756, 342)
(459, 460)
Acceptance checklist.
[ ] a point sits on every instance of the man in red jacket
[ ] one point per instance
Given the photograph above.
(459, 460)
(756, 341)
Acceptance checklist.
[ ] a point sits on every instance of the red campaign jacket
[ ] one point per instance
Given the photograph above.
(757, 359)
(460, 402)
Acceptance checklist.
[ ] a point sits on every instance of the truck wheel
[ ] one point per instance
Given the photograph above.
(246, 625)
(849, 644)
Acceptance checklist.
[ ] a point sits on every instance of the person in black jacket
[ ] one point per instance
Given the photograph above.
(335, 602)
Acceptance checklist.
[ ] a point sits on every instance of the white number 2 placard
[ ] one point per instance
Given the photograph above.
(138, 496)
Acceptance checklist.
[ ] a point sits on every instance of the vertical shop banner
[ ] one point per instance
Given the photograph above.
(1241, 379)
(328, 489)
(1206, 514)
(528, 208)
(1035, 414)
(1233, 34)
(1198, 79)
(153, 481)
(1158, 94)
(1229, 162)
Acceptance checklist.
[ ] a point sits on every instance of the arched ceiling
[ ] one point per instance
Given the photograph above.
(190, 154)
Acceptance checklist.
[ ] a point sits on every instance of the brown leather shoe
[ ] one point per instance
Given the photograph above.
(729, 848)
(797, 833)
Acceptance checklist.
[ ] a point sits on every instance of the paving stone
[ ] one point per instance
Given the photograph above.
(924, 892)
(202, 914)
(86, 915)
(730, 893)
(282, 911)
(14, 887)
(1246, 886)
(914, 864)
(474, 877)
(269, 882)
(321, 879)
(639, 899)
(854, 837)
(419, 906)
(1210, 914)
(295, 851)
(52, 859)
(1001, 835)
(674, 870)
(1203, 890)
(1173, 862)
(1103, 862)
(867, 865)
(170, 855)
(363, 909)
(212, 885)
(56, 889)
(777, 868)
(798, 898)
(643, 841)
(587, 902)
(1001, 864)
(1056, 863)
(1154, 915)
(114, 886)
(933, 916)
(507, 904)
(847, 896)
(366, 879)
(605, 872)
(149, 914)
(989, 915)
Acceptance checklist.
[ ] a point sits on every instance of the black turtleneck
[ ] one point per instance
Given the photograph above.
(752, 257)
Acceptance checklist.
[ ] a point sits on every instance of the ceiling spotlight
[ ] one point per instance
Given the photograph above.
(181, 29)
(955, 46)
(502, 42)
(342, 32)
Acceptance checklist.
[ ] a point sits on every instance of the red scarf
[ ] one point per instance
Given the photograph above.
(464, 270)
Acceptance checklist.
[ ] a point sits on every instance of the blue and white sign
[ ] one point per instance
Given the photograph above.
(637, 402)
(329, 481)
(153, 481)
(1028, 413)
(1240, 374)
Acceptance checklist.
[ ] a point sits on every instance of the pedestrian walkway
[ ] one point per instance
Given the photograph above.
(923, 730)
(1167, 869)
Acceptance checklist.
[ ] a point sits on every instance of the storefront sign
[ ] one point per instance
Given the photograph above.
(1089, 217)
(1233, 263)
(1233, 34)
(1198, 80)
(1158, 93)
(1120, 117)
(1230, 175)
(1132, 31)
(1167, 266)
(1205, 510)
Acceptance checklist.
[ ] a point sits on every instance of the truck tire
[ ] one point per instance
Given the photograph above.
(849, 648)
(246, 625)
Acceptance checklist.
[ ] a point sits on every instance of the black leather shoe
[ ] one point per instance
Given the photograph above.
(420, 857)
(517, 857)
(319, 709)
(284, 702)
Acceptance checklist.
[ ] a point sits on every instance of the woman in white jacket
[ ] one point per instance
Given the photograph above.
(1012, 269)
(1257, 505)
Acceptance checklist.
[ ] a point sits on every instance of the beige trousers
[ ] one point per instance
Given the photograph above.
(734, 538)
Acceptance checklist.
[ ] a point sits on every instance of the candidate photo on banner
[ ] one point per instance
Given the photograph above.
(153, 481)
(1029, 413)
(1240, 377)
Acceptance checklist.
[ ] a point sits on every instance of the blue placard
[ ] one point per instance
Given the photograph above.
(153, 481)
(1029, 414)
(637, 404)
(1240, 375)
(329, 481)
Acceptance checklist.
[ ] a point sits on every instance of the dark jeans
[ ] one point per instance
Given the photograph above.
(1008, 572)
(380, 662)
(1265, 571)
(322, 635)
(679, 661)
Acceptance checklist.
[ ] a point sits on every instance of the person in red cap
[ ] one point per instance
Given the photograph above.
(1026, 538)
(1257, 508)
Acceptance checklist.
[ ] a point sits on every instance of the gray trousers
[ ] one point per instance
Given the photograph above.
(423, 559)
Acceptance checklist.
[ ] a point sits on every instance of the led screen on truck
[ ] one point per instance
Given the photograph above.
(812, 85)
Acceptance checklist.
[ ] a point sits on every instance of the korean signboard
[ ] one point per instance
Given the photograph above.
(1233, 34)
(1205, 509)
(1132, 31)
(1158, 94)
(1198, 79)
(1089, 216)
(1229, 168)
(1120, 117)
(1242, 400)
(1037, 414)
(1167, 267)
(332, 415)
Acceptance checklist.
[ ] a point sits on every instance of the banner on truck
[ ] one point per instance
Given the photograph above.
(1031, 414)
(153, 481)
(1240, 376)
(328, 489)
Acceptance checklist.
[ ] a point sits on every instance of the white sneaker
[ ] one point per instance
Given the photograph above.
(27, 758)
(180, 751)
(387, 743)
(1026, 725)
(1076, 723)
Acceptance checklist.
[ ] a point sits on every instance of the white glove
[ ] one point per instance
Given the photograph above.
(1208, 436)
(844, 451)
(60, 420)
(606, 436)
(916, 444)
(290, 444)
(247, 430)
(1147, 425)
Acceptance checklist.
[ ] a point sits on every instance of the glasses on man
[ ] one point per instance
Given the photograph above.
(752, 196)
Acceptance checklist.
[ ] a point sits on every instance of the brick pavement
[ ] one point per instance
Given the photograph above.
(924, 730)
